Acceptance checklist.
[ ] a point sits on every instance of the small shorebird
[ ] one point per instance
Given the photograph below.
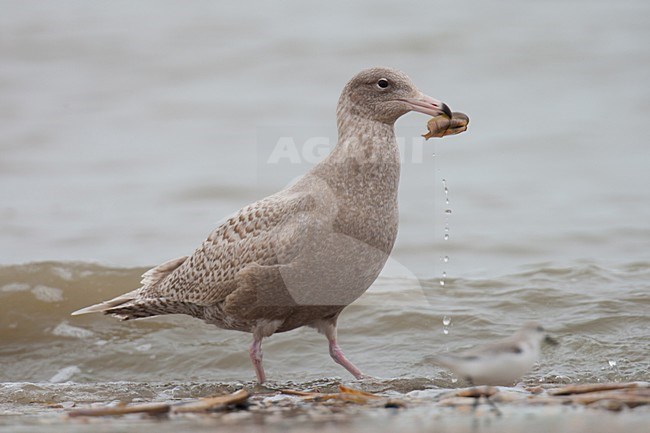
(502, 362)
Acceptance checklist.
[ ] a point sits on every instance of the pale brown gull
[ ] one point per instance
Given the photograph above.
(300, 256)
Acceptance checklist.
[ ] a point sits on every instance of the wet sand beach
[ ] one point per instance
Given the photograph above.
(330, 406)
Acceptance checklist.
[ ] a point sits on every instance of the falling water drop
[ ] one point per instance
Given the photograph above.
(446, 320)
(447, 212)
(445, 331)
(444, 185)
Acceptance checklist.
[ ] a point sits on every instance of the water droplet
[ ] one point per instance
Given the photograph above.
(445, 259)
(442, 282)
(445, 331)
(446, 201)
(446, 320)
(446, 237)
(447, 211)
(612, 363)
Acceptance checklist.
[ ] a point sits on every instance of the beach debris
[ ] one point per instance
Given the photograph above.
(122, 409)
(212, 403)
(394, 404)
(201, 405)
(604, 396)
(356, 392)
(457, 401)
(629, 398)
(62, 405)
(348, 395)
(477, 391)
(593, 387)
(611, 396)
(345, 394)
(472, 396)
(443, 125)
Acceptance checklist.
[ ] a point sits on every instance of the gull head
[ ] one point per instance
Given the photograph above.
(384, 95)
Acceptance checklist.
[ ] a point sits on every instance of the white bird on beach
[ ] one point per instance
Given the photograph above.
(502, 362)
(300, 256)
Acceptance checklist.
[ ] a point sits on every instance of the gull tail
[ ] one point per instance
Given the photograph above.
(150, 280)
(104, 307)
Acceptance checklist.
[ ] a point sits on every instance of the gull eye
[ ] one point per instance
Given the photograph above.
(382, 82)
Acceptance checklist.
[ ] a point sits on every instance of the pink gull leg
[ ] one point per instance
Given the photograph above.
(339, 357)
(255, 352)
(329, 329)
